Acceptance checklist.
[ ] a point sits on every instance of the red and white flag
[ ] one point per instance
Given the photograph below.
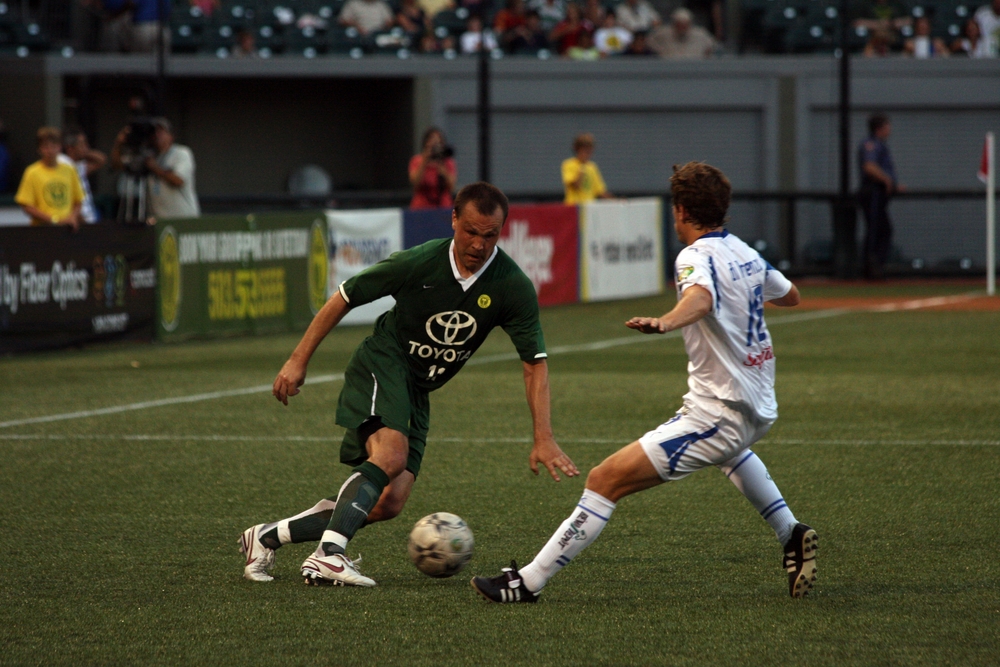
(984, 163)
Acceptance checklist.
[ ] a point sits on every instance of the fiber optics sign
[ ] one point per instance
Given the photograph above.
(236, 274)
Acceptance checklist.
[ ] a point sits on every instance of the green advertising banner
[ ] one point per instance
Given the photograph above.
(224, 275)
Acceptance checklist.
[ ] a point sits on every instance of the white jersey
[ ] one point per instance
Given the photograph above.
(730, 352)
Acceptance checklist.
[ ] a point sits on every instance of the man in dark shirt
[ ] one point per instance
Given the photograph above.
(878, 184)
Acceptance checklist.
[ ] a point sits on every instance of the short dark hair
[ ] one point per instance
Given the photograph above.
(485, 197)
(876, 122)
(71, 136)
(433, 129)
(703, 191)
(49, 135)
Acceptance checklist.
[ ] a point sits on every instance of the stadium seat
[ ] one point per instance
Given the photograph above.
(185, 37)
(344, 40)
(308, 42)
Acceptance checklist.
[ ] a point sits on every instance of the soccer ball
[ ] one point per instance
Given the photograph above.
(440, 544)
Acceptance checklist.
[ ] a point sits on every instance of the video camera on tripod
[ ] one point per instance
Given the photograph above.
(139, 146)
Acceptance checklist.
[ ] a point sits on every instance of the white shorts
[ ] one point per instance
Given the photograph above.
(705, 432)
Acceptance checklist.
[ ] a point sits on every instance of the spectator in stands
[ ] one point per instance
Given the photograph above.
(510, 17)
(971, 44)
(474, 36)
(889, 15)
(4, 160)
(86, 161)
(567, 33)
(879, 43)
(246, 44)
(551, 12)
(878, 184)
(988, 18)
(50, 191)
(433, 7)
(594, 12)
(922, 44)
(639, 46)
(366, 16)
(681, 39)
(581, 178)
(429, 43)
(528, 38)
(413, 19)
(584, 49)
(433, 173)
(611, 38)
(708, 13)
(635, 15)
(206, 7)
(144, 34)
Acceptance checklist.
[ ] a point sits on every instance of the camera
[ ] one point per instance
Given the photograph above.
(141, 134)
(442, 152)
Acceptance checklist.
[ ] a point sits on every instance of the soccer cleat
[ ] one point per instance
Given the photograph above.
(800, 560)
(335, 570)
(260, 559)
(508, 587)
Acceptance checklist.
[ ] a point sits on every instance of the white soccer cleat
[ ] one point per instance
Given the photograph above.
(260, 559)
(335, 570)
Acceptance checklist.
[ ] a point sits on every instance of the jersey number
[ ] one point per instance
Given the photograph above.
(756, 322)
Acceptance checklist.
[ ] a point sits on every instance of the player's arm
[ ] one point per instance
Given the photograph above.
(790, 299)
(293, 373)
(545, 450)
(695, 303)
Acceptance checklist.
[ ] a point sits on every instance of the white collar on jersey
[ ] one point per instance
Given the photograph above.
(466, 283)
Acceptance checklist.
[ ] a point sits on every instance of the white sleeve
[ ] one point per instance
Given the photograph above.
(182, 164)
(776, 285)
(695, 267)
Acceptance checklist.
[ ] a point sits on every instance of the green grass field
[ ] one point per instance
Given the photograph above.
(121, 528)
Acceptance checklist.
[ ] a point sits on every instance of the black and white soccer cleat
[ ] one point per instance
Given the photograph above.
(800, 560)
(508, 587)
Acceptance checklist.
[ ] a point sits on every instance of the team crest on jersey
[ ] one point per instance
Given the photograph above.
(684, 272)
(484, 301)
(452, 327)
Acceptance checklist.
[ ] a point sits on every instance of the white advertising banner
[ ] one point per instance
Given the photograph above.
(621, 249)
(359, 239)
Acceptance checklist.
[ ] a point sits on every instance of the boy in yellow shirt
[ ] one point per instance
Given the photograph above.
(581, 177)
(50, 192)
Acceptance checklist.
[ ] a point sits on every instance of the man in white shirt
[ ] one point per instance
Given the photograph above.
(171, 176)
(86, 161)
(722, 285)
(988, 18)
(367, 16)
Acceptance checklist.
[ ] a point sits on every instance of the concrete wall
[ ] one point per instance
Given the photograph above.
(769, 122)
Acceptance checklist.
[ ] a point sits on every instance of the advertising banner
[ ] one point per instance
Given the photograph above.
(544, 241)
(426, 225)
(227, 274)
(59, 287)
(359, 239)
(621, 249)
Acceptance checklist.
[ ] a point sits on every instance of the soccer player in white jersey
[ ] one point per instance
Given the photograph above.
(722, 285)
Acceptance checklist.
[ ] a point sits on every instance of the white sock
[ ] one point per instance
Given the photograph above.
(579, 530)
(750, 476)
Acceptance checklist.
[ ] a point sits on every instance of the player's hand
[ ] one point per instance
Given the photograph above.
(647, 325)
(290, 378)
(549, 454)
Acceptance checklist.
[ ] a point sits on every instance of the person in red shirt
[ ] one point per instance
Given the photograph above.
(512, 16)
(433, 172)
(567, 33)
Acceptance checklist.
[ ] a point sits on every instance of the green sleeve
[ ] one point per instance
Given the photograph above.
(379, 280)
(521, 320)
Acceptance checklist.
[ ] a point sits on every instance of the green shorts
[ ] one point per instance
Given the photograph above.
(377, 387)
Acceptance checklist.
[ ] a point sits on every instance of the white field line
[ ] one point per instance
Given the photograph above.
(473, 440)
(477, 361)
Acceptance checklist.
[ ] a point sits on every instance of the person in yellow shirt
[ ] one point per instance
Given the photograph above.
(50, 192)
(580, 175)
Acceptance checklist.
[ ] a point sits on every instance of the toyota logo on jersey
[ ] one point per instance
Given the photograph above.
(452, 327)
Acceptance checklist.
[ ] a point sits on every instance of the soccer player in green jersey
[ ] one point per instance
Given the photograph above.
(450, 293)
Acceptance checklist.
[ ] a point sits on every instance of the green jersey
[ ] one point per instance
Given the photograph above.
(440, 319)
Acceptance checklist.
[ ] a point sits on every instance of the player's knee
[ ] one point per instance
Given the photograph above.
(602, 479)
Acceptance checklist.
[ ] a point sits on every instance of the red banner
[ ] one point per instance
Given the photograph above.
(544, 240)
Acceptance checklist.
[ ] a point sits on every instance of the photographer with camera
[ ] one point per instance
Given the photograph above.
(159, 174)
(433, 173)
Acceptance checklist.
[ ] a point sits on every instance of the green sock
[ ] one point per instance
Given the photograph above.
(307, 526)
(356, 499)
